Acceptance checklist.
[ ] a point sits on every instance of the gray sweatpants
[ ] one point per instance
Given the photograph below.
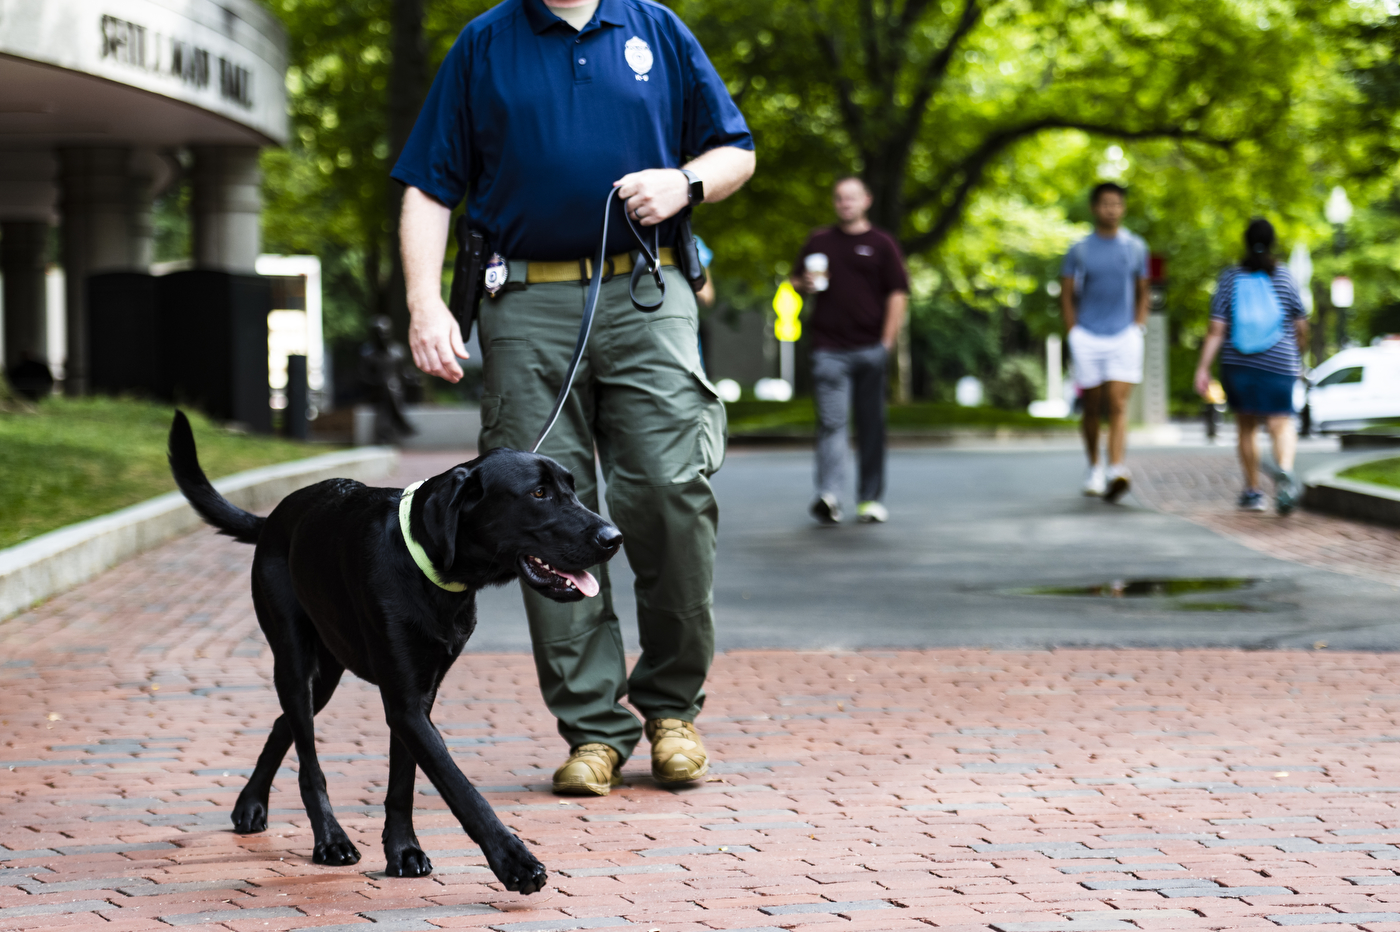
(844, 379)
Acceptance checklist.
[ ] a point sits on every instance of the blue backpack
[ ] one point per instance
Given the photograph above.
(1257, 322)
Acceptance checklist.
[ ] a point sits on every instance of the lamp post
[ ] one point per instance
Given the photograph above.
(1338, 211)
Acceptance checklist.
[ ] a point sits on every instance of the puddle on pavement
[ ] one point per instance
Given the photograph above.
(1171, 594)
(1149, 588)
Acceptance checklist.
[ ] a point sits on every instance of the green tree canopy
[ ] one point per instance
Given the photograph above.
(979, 125)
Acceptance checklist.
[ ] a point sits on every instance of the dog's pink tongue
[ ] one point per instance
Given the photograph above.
(584, 580)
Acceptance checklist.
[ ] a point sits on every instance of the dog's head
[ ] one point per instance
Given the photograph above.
(508, 514)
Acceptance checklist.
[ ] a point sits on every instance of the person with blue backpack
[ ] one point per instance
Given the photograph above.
(1257, 323)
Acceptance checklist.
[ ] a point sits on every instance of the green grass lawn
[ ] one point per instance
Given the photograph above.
(799, 416)
(77, 459)
(1381, 472)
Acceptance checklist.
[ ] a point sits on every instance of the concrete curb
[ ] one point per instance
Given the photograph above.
(1325, 491)
(61, 559)
(952, 437)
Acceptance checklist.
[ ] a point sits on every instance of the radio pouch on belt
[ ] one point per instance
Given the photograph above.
(467, 287)
(688, 253)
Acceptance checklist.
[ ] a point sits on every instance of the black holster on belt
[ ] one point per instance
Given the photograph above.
(688, 253)
(467, 276)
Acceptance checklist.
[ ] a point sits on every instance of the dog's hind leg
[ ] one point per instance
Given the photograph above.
(250, 812)
(402, 855)
(294, 689)
(300, 661)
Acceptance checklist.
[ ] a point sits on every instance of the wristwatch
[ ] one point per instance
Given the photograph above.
(697, 187)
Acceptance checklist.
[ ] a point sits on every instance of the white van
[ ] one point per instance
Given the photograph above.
(1355, 388)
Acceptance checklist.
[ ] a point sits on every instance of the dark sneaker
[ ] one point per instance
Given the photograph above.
(827, 510)
(1288, 491)
(1252, 500)
(1118, 484)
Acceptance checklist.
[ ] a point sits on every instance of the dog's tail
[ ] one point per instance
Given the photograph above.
(212, 507)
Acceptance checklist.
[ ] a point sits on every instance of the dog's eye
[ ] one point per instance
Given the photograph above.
(539, 493)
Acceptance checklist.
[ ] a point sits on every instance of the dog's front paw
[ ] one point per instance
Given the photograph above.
(249, 816)
(409, 861)
(336, 853)
(516, 868)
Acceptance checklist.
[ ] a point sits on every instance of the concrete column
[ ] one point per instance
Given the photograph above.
(93, 204)
(227, 208)
(1054, 368)
(106, 214)
(23, 263)
(28, 199)
(1148, 405)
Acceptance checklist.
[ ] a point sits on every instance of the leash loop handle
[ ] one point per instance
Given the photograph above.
(652, 253)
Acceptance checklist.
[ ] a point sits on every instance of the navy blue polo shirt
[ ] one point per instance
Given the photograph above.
(532, 121)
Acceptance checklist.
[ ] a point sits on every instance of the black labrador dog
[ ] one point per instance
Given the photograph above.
(336, 587)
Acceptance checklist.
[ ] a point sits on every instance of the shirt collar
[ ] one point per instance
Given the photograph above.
(541, 17)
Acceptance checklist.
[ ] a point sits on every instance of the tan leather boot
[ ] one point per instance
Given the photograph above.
(677, 754)
(591, 770)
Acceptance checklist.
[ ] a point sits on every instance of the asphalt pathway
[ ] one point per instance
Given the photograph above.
(971, 532)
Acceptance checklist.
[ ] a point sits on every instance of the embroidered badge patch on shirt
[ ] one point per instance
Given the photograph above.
(638, 55)
(496, 274)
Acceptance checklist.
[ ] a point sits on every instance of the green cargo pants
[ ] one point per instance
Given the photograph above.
(642, 400)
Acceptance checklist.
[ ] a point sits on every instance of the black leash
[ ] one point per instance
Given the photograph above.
(652, 254)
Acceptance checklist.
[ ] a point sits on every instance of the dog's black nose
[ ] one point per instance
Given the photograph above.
(609, 538)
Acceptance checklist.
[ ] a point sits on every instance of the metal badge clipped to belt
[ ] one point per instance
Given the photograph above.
(476, 274)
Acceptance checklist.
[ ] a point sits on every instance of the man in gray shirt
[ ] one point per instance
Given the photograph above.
(1103, 296)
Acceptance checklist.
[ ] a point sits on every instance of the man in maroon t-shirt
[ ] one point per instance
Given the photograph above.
(860, 286)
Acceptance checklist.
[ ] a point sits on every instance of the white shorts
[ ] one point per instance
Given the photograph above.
(1098, 359)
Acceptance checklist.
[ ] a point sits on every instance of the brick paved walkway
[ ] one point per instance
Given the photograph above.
(1202, 487)
(961, 790)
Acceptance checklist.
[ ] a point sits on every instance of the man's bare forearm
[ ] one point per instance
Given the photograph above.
(1144, 295)
(724, 171)
(434, 336)
(895, 306)
(1067, 302)
(423, 228)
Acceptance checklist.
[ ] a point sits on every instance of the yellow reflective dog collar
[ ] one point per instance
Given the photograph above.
(415, 549)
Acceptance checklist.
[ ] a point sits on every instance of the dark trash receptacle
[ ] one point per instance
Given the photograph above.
(127, 345)
(217, 324)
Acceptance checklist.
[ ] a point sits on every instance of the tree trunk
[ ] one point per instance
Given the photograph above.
(408, 85)
(885, 178)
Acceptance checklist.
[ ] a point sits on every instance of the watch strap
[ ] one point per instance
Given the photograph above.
(696, 193)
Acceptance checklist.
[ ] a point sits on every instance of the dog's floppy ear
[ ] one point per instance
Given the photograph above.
(452, 494)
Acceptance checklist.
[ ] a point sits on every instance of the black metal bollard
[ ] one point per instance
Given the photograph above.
(294, 418)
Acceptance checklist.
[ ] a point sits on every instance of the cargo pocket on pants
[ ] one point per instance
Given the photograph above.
(712, 433)
(490, 417)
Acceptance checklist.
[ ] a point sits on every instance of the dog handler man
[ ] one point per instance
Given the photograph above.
(1103, 297)
(539, 110)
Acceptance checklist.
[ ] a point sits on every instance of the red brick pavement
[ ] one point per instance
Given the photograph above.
(953, 789)
(1203, 486)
